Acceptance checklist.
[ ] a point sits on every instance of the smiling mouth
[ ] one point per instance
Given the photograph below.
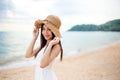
(47, 35)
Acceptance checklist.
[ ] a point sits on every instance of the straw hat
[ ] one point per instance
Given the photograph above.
(52, 22)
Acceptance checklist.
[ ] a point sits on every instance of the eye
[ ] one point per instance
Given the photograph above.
(49, 29)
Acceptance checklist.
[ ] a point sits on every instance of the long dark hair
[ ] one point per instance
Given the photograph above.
(43, 42)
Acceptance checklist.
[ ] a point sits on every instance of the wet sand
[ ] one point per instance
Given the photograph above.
(100, 64)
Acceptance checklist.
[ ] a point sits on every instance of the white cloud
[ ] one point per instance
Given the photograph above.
(34, 8)
(71, 12)
(90, 11)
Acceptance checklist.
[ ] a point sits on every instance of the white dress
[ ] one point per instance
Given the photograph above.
(44, 73)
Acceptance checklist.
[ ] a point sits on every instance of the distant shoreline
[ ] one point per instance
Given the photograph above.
(113, 25)
(12, 48)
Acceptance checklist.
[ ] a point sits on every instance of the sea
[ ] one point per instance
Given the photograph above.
(13, 45)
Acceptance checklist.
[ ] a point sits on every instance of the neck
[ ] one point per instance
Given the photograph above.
(48, 42)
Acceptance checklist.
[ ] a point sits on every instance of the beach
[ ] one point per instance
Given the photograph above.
(98, 64)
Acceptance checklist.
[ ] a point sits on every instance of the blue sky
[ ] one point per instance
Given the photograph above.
(17, 15)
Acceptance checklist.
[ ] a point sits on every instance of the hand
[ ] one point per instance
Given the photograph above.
(35, 32)
(55, 41)
(37, 23)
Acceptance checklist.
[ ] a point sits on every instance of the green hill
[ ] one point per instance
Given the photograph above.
(113, 25)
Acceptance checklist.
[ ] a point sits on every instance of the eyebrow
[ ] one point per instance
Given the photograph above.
(46, 27)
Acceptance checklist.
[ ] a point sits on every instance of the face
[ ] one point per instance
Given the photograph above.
(47, 33)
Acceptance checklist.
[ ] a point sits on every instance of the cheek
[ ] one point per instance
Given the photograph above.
(50, 33)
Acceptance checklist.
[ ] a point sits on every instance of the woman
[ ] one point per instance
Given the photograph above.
(49, 48)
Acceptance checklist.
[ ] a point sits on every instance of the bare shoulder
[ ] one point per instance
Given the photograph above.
(57, 46)
(55, 51)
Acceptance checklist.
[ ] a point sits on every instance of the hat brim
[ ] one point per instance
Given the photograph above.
(51, 27)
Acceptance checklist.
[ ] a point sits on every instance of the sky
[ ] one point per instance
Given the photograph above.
(19, 15)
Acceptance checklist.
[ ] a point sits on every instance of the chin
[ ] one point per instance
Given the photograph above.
(47, 38)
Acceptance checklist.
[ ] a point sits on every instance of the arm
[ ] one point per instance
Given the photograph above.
(50, 53)
(30, 52)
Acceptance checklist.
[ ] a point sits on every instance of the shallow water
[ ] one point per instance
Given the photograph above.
(14, 44)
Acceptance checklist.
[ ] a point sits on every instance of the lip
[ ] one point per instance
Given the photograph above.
(47, 35)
